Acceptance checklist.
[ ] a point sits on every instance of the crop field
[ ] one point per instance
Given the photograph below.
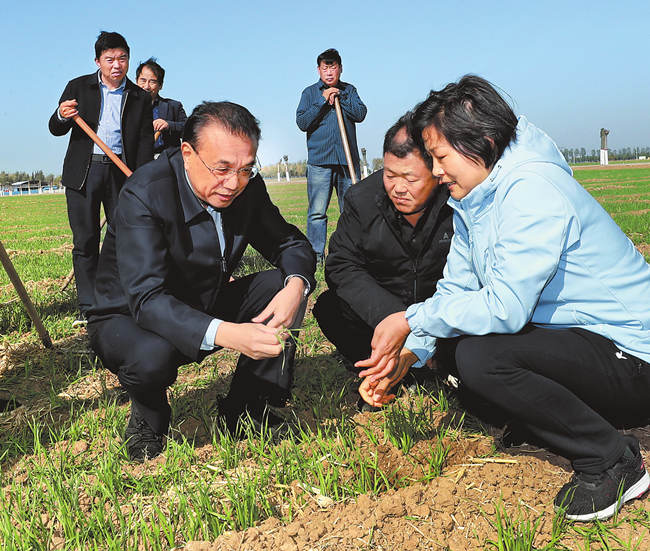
(420, 474)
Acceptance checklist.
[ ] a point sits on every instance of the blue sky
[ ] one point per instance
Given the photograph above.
(570, 66)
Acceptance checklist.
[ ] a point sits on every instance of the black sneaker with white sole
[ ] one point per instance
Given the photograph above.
(588, 497)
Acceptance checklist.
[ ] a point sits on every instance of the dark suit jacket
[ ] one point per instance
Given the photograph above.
(171, 111)
(161, 263)
(137, 127)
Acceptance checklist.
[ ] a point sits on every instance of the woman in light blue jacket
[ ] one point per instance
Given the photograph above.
(545, 303)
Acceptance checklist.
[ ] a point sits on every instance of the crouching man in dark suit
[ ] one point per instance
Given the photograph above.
(163, 293)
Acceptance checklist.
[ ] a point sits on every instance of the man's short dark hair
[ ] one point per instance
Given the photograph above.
(472, 116)
(154, 67)
(329, 56)
(401, 148)
(235, 118)
(109, 41)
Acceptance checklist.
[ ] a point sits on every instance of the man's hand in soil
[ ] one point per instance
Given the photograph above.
(381, 391)
(387, 341)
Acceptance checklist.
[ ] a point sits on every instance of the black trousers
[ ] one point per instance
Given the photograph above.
(343, 327)
(102, 186)
(569, 387)
(146, 363)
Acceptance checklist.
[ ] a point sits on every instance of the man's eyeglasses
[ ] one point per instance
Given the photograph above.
(223, 172)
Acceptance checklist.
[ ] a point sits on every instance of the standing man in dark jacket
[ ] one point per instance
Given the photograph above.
(164, 298)
(326, 163)
(389, 248)
(120, 113)
(168, 114)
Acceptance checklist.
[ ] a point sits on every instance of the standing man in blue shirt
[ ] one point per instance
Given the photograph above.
(326, 163)
(120, 113)
(168, 114)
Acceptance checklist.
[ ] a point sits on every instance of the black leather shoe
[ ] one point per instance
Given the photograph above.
(142, 442)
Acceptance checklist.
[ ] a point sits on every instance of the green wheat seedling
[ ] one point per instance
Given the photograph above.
(247, 501)
(436, 458)
(408, 422)
(514, 533)
(228, 448)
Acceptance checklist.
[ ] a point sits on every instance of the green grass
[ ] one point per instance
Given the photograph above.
(65, 477)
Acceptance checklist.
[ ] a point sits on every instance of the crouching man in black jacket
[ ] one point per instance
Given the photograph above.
(163, 294)
(389, 248)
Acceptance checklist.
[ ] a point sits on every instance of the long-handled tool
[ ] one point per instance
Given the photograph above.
(344, 139)
(22, 293)
(95, 138)
(120, 164)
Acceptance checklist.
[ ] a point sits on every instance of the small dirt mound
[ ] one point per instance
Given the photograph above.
(455, 511)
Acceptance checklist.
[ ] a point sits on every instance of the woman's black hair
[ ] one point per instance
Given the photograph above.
(472, 116)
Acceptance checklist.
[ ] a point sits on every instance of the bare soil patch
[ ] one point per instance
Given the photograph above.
(22, 228)
(624, 198)
(610, 186)
(611, 167)
(49, 237)
(644, 248)
(455, 511)
(62, 250)
(45, 285)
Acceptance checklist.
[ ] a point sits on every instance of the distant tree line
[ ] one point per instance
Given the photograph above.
(298, 169)
(20, 176)
(581, 155)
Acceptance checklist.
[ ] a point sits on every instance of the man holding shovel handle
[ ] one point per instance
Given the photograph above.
(327, 112)
(121, 115)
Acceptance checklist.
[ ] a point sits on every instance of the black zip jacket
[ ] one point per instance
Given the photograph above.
(371, 266)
